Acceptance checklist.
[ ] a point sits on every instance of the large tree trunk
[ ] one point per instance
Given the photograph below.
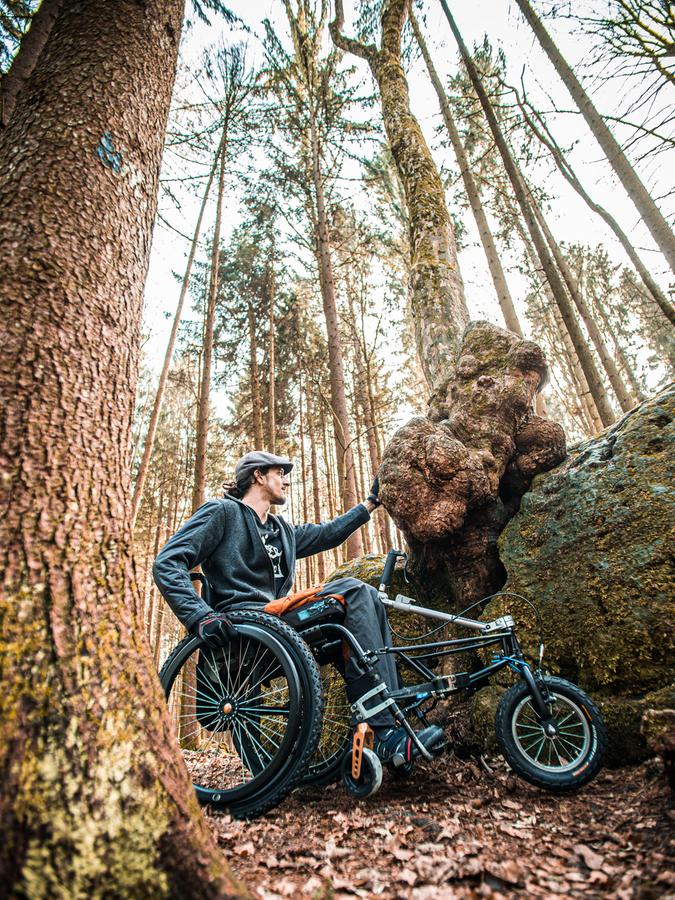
(577, 376)
(203, 405)
(437, 292)
(96, 800)
(548, 264)
(27, 57)
(254, 375)
(608, 363)
(484, 232)
(341, 424)
(316, 490)
(271, 349)
(164, 375)
(645, 205)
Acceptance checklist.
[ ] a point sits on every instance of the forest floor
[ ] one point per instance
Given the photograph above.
(457, 830)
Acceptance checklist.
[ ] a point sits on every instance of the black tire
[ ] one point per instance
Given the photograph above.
(310, 727)
(370, 777)
(564, 762)
(272, 749)
(335, 742)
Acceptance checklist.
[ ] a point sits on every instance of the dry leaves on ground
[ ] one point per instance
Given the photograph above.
(453, 830)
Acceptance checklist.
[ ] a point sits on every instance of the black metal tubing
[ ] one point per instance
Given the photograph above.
(539, 705)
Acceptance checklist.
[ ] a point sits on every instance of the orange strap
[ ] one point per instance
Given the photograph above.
(363, 737)
(300, 598)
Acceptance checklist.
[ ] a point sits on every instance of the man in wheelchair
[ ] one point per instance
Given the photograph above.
(248, 557)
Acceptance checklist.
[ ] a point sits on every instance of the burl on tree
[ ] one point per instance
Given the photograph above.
(453, 478)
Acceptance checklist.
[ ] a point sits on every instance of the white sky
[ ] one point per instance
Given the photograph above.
(571, 219)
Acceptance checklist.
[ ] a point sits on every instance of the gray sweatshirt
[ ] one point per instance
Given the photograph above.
(222, 537)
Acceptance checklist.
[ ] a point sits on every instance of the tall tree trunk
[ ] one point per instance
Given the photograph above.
(303, 469)
(572, 399)
(496, 271)
(667, 308)
(341, 425)
(621, 358)
(271, 400)
(589, 409)
(316, 490)
(548, 264)
(328, 461)
(256, 400)
(164, 375)
(437, 292)
(203, 405)
(96, 800)
(608, 363)
(644, 203)
(27, 57)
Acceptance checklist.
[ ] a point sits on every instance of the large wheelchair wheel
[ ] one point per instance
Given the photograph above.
(559, 762)
(248, 715)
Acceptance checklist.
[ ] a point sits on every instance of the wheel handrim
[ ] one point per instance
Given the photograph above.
(552, 753)
(237, 713)
(336, 725)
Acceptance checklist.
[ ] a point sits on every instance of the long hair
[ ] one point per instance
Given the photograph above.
(239, 488)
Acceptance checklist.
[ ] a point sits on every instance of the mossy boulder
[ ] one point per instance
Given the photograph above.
(592, 546)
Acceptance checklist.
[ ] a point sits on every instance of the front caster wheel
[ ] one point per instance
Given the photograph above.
(561, 754)
(369, 780)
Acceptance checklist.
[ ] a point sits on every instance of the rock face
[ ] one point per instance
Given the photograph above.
(592, 546)
(451, 480)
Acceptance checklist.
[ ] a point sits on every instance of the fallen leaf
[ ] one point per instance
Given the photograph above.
(592, 859)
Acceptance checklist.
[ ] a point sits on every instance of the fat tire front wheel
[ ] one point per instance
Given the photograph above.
(561, 763)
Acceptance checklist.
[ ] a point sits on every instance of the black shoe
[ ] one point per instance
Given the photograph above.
(398, 748)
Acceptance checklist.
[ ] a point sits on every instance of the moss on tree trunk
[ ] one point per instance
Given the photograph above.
(96, 800)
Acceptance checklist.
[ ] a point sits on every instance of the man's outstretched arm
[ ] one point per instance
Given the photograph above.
(312, 539)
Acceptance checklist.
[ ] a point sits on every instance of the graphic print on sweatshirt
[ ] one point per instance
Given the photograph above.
(271, 538)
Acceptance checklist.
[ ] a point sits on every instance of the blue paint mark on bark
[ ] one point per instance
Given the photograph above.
(111, 158)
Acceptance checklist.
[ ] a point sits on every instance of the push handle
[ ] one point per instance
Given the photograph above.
(206, 587)
(389, 564)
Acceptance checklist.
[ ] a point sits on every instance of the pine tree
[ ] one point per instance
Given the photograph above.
(95, 796)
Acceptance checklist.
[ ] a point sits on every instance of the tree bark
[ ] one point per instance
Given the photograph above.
(271, 399)
(27, 57)
(496, 271)
(96, 800)
(547, 262)
(164, 375)
(254, 374)
(645, 205)
(316, 491)
(437, 292)
(203, 405)
(608, 363)
(341, 424)
(589, 409)
(622, 360)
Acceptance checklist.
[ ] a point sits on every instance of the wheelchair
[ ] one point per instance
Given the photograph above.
(268, 710)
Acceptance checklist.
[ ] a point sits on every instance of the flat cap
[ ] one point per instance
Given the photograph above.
(259, 459)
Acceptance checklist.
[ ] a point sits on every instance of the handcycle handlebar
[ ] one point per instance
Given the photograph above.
(388, 570)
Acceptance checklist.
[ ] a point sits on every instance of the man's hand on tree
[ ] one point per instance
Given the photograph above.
(215, 630)
(373, 496)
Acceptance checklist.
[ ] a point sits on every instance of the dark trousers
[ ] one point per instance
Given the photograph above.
(366, 619)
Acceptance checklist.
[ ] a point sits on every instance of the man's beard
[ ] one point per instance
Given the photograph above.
(279, 501)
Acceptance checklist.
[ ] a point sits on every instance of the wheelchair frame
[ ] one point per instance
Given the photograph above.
(500, 631)
(316, 644)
